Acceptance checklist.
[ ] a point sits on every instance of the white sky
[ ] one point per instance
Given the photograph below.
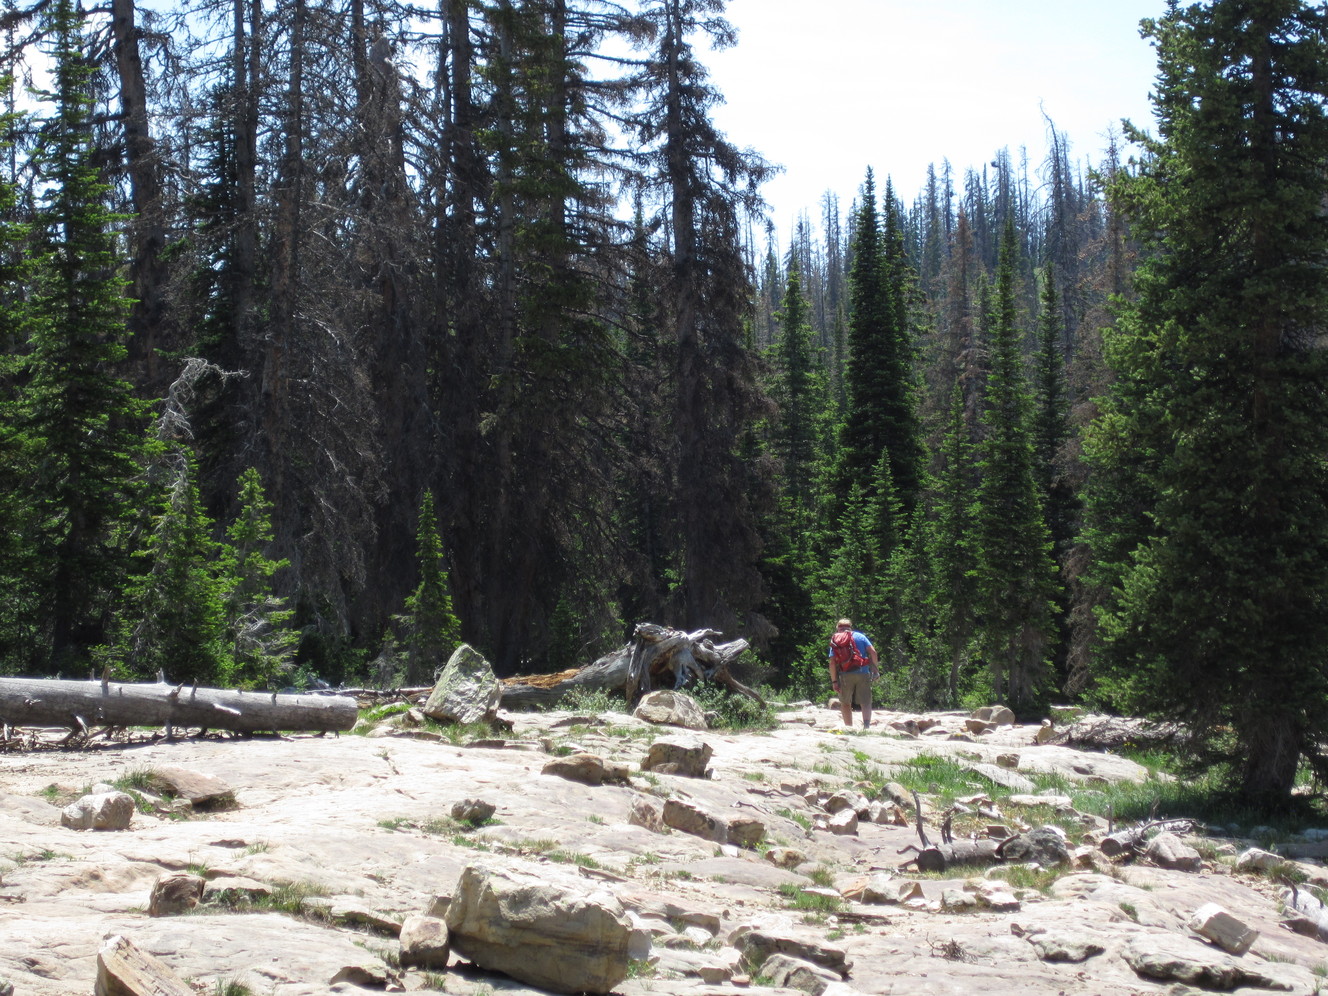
(830, 87)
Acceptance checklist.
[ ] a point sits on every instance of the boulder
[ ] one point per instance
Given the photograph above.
(1215, 924)
(124, 970)
(645, 813)
(466, 691)
(175, 894)
(668, 708)
(996, 715)
(1256, 860)
(787, 972)
(588, 769)
(1171, 958)
(1065, 945)
(687, 756)
(758, 945)
(694, 820)
(103, 811)
(746, 831)
(847, 799)
(1166, 850)
(1044, 845)
(424, 943)
(542, 933)
(785, 857)
(844, 822)
(473, 811)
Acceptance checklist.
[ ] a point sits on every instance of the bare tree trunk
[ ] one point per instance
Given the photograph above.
(147, 234)
(80, 705)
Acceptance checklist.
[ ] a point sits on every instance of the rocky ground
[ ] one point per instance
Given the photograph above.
(332, 842)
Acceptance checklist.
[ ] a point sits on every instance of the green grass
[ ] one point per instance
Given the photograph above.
(809, 902)
(1023, 877)
(573, 858)
(800, 819)
(823, 877)
(291, 898)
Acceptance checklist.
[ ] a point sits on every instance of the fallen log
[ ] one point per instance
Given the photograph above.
(1134, 839)
(609, 673)
(939, 857)
(79, 705)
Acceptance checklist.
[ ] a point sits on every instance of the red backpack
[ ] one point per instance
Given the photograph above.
(844, 651)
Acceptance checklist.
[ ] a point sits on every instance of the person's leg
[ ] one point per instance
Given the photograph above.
(866, 701)
(850, 689)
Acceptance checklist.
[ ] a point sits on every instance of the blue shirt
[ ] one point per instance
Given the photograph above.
(861, 642)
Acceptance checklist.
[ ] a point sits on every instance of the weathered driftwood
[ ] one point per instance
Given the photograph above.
(81, 705)
(671, 658)
(1132, 840)
(609, 673)
(657, 657)
(939, 857)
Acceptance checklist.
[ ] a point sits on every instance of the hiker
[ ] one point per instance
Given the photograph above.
(853, 667)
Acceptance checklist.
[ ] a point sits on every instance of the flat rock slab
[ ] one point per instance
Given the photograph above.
(203, 791)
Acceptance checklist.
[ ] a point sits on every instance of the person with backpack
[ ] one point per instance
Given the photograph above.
(853, 667)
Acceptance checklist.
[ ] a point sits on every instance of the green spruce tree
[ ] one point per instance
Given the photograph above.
(261, 638)
(177, 618)
(1015, 574)
(953, 554)
(432, 630)
(81, 421)
(1210, 504)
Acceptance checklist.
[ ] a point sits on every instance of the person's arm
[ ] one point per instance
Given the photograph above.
(875, 663)
(834, 671)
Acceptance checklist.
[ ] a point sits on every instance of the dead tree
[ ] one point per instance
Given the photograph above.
(671, 658)
(81, 705)
(938, 857)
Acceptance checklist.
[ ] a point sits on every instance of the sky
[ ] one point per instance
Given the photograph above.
(827, 89)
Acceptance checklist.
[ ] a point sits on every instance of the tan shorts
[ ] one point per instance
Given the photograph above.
(856, 686)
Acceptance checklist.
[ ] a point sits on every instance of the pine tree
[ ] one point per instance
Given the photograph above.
(432, 630)
(258, 623)
(953, 557)
(179, 626)
(81, 419)
(799, 388)
(1211, 516)
(1016, 577)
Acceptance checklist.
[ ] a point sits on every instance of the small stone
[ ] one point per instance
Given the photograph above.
(175, 894)
(424, 943)
(843, 823)
(105, 811)
(588, 769)
(645, 813)
(1211, 921)
(785, 857)
(473, 811)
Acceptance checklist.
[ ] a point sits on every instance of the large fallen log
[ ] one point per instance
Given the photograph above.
(81, 705)
(609, 673)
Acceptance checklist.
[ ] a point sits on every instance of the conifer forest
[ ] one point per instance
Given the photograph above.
(338, 332)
